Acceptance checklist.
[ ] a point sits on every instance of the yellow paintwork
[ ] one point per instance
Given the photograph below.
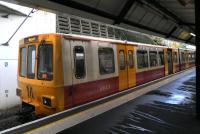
(123, 78)
(166, 61)
(127, 77)
(173, 60)
(53, 89)
(131, 71)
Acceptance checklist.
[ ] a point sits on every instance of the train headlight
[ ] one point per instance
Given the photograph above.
(48, 101)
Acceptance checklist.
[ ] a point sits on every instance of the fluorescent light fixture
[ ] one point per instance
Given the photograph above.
(192, 34)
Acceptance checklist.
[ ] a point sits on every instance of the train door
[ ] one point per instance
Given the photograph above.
(79, 71)
(170, 62)
(126, 66)
(123, 72)
(131, 66)
(174, 60)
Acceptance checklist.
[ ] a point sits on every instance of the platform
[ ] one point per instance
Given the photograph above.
(168, 105)
(169, 109)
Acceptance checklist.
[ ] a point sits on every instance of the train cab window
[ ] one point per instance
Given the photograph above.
(142, 59)
(31, 62)
(106, 60)
(23, 62)
(79, 62)
(130, 59)
(153, 58)
(122, 60)
(161, 58)
(45, 62)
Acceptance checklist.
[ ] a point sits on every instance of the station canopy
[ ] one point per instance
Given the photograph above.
(170, 19)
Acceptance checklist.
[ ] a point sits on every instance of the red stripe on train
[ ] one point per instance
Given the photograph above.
(146, 76)
(85, 92)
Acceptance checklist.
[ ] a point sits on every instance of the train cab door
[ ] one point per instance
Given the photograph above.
(170, 61)
(126, 66)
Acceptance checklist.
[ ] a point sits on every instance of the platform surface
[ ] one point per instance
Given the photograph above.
(169, 109)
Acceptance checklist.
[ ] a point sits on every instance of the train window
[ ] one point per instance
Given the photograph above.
(106, 60)
(153, 58)
(175, 57)
(130, 59)
(31, 62)
(79, 62)
(161, 58)
(182, 57)
(45, 62)
(23, 62)
(142, 59)
(122, 60)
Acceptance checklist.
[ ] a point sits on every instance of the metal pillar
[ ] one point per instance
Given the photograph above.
(197, 23)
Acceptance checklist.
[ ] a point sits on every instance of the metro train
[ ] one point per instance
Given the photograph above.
(61, 71)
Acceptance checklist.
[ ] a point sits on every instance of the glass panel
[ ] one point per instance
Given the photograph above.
(161, 58)
(121, 60)
(153, 58)
(182, 57)
(79, 62)
(175, 57)
(142, 59)
(106, 60)
(23, 62)
(45, 63)
(130, 59)
(31, 62)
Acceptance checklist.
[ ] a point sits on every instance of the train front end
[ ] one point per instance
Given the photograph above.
(39, 86)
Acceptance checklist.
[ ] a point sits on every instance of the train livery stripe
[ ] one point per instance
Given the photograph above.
(85, 92)
(146, 76)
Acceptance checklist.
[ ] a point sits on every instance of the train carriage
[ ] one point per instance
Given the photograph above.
(60, 71)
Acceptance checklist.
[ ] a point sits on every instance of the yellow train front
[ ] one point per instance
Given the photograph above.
(58, 71)
(39, 86)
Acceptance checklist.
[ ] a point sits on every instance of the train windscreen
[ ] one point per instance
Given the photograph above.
(45, 62)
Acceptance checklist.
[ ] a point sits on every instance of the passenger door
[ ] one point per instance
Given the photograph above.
(170, 64)
(126, 66)
(131, 66)
(79, 72)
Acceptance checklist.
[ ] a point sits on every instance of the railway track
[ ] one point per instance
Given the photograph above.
(13, 120)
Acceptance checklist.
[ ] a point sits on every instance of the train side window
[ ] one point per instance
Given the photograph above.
(182, 57)
(142, 59)
(175, 57)
(161, 58)
(31, 62)
(79, 62)
(23, 62)
(122, 60)
(130, 59)
(106, 60)
(153, 58)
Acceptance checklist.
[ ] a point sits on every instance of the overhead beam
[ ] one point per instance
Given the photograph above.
(167, 12)
(171, 32)
(189, 39)
(104, 14)
(188, 24)
(124, 11)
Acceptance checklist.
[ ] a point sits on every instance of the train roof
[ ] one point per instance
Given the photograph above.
(90, 38)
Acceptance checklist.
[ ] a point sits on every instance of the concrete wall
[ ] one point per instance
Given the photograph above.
(39, 22)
